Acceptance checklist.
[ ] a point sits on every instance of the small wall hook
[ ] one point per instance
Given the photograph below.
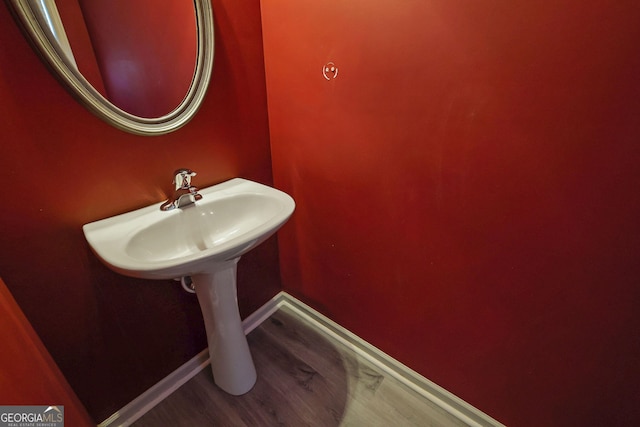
(330, 71)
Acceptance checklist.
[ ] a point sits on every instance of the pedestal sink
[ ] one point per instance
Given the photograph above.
(204, 240)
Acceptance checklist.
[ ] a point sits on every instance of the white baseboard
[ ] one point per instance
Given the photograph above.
(154, 395)
(429, 390)
(150, 398)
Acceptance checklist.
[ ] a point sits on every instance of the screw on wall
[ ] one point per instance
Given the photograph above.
(329, 71)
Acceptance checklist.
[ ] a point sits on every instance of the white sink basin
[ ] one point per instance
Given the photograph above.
(205, 241)
(232, 218)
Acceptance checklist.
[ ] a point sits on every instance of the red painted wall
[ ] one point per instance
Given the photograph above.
(467, 192)
(29, 374)
(147, 54)
(75, 28)
(114, 337)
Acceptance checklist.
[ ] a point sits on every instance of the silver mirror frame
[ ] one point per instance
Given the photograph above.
(52, 53)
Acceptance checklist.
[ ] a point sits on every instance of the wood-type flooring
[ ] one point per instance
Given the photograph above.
(305, 378)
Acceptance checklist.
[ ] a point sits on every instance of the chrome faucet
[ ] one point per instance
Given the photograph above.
(185, 194)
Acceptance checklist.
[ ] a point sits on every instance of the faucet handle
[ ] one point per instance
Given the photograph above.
(182, 178)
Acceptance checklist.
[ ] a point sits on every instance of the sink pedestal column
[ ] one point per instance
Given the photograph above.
(231, 362)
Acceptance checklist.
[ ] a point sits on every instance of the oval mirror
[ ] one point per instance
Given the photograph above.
(142, 68)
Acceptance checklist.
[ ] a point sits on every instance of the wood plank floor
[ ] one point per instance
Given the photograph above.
(305, 378)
